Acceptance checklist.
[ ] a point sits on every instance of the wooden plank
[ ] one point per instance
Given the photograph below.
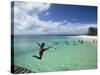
(23, 71)
(15, 68)
(20, 70)
(27, 71)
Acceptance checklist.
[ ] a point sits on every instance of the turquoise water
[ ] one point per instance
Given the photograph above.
(62, 57)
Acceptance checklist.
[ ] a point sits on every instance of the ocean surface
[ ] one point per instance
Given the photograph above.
(67, 53)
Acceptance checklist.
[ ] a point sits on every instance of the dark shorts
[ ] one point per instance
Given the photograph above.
(41, 52)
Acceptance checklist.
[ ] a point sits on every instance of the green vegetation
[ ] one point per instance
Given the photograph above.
(92, 31)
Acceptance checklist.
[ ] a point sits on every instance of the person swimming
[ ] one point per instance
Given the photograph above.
(94, 41)
(41, 51)
(74, 43)
(81, 41)
(66, 42)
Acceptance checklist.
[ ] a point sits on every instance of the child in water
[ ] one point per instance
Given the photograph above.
(41, 51)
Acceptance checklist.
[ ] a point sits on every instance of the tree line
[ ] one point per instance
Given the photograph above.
(92, 31)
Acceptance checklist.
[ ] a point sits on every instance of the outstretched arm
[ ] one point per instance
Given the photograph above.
(38, 44)
(47, 48)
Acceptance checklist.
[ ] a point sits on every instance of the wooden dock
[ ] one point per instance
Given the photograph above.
(19, 70)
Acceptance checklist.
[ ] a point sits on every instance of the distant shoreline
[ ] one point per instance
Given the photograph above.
(87, 37)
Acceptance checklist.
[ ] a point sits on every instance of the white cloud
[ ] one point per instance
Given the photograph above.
(24, 23)
(30, 6)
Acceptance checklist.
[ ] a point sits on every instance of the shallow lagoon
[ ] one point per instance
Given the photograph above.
(62, 57)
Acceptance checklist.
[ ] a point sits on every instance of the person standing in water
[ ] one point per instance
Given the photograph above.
(41, 51)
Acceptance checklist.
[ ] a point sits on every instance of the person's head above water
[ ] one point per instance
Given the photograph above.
(42, 45)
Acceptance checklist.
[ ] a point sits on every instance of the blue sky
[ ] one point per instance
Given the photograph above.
(72, 13)
(47, 19)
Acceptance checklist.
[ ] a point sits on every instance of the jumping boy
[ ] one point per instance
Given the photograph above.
(41, 51)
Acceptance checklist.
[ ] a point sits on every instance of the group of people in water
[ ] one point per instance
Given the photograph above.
(94, 41)
(42, 49)
(74, 42)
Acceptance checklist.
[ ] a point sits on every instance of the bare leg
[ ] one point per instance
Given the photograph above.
(38, 57)
(41, 56)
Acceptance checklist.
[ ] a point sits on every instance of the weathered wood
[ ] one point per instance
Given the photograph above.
(23, 71)
(19, 70)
